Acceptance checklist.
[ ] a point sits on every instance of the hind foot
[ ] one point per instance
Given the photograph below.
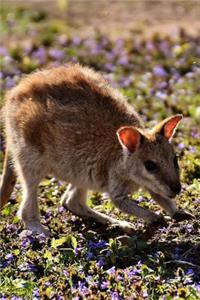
(36, 227)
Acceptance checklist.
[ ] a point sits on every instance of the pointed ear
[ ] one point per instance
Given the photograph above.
(129, 138)
(168, 127)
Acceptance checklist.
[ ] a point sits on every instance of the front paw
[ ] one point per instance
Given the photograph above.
(124, 226)
(181, 215)
(158, 222)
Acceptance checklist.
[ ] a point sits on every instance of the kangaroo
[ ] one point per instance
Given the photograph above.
(69, 122)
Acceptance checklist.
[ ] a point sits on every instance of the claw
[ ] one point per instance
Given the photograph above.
(182, 215)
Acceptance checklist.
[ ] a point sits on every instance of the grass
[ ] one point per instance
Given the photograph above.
(84, 260)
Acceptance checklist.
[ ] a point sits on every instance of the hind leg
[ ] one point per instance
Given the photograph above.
(8, 181)
(74, 199)
(30, 171)
(29, 211)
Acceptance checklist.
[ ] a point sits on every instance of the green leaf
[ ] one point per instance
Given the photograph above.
(58, 242)
(72, 241)
(6, 211)
(16, 252)
(47, 255)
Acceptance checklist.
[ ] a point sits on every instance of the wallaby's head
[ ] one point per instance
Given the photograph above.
(149, 157)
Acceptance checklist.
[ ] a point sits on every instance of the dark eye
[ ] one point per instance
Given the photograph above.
(175, 162)
(150, 165)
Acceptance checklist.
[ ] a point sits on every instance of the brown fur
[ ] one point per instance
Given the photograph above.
(64, 121)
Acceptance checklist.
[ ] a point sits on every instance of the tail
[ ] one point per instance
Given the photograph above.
(8, 180)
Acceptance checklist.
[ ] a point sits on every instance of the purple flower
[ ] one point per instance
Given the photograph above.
(9, 82)
(140, 199)
(189, 75)
(57, 54)
(111, 271)
(134, 272)
(110, 56)
(159, 71)
(115, 296)
(27, 267)
(139, 263)
(176, 75)
(192, 149)
(104, 285)
(65, 273)
(150, 46)
(60, 297)
(76, 40)
(82, 288)
(94, 245)
(163, 85)
(197, 287)
(3, 264)
(96, 50)
(48, 214)
(161, 95)
(3, 51)
(123, 60)
(181, 61)
(163, 229)
(181, 146)
(145, 294)
(42, 237)
(195, 134)
(9, 257)
(101, 262)
(189, 228)
(36, 294)
(89, 278)
(197, 201)
(61, 209)
(31, 267)
(190, 272)
(164, 47)
(24, 243)
(74, 59)
(40, 54)
(77, 250)
(125, 82)
(109, 67)
(90, 255)
(119, 43)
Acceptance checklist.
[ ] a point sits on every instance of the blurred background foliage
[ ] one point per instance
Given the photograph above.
(150, 51)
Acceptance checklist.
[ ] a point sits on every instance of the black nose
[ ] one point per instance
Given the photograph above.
(176, 188)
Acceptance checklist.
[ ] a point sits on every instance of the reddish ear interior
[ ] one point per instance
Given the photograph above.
(170, 126)
(129, 138)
